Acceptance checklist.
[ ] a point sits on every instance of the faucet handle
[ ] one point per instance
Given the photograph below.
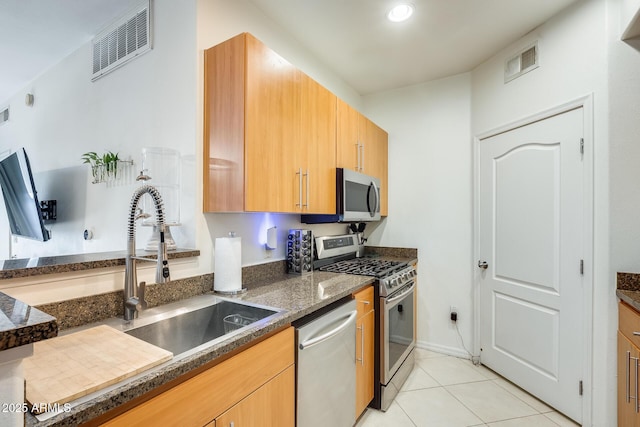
(141, 289)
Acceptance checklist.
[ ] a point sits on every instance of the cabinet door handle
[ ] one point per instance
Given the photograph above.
(299, 173)
(362, 158)
(636, 396)
(628, 376)
(361, 359)
(365, 302)
(232, 424)
(358, 156)
(635, 333)
(307, 178)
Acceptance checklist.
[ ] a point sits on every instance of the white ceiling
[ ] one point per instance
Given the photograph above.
(444, 37)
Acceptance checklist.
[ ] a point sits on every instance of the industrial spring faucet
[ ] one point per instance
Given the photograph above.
(134, 294)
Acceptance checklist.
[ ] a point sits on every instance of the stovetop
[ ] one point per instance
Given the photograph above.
(377, 268)
(337, 254)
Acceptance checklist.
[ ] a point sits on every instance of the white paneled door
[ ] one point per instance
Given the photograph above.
(531, 228)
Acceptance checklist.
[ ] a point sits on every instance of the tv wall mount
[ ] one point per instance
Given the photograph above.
(49, 209)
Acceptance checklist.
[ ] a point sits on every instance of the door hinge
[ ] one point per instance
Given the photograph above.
(580, 388)
(581, 145)
(582, 266)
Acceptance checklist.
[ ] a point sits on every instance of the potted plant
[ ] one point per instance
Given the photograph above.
(103, 167)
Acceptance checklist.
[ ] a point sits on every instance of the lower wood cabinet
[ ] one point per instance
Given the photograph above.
(627, 382)
(253, 388)
(365, 327)
(269, 406)
(628, 366)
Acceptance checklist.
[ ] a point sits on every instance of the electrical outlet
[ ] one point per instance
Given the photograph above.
(453, 313)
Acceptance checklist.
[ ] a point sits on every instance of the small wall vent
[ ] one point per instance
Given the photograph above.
(523, 62)
(4, 116)
(126, 39)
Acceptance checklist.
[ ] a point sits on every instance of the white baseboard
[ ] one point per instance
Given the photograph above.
(438, 348)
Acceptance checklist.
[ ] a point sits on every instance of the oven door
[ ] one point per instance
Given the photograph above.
(398, 338)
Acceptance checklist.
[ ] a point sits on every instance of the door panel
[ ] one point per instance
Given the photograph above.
(531, 228)
(527, 214)
(540, 352)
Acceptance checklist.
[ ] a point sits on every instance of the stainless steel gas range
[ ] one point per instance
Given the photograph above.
(394, 307)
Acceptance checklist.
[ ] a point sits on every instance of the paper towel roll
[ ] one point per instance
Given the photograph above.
(227, 264)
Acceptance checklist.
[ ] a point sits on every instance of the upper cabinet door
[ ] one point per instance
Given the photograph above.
(272, 148)
(273, 137)
(318, 139)
(223, 148)
(376, 160)
(348, 145)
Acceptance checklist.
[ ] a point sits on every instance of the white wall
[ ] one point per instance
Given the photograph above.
(624, 148)
(148, 102)
(430, 199)
(217, 21)
(573, 63)
(624, 134)
(155, 100)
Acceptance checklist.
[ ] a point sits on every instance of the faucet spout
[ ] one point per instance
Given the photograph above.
(133, 294)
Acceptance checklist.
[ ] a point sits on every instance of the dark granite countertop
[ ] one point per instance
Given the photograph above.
(21, 324)
(628, 288)
(296, 295)
(25, 267)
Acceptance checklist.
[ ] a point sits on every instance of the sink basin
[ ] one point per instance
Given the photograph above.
(186, 331)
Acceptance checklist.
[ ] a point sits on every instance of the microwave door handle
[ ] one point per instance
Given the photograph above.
(373, 207)
(375, 187)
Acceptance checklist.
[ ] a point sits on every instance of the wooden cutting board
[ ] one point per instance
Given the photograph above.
(68, 367)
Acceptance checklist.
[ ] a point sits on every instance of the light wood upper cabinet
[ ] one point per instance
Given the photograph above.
(362, 146)
(270, 146)
(349, 149)
(318, 142)
(376, 159)
(269, 133)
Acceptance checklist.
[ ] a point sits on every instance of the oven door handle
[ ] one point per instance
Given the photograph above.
(317, 340)
(402, 295)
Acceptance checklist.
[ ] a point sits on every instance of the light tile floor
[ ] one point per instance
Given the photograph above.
(450, 392)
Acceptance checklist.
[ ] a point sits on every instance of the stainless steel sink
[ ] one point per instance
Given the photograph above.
(187, 330)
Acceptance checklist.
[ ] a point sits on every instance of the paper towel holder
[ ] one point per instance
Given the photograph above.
(272, 239)
(230, 293)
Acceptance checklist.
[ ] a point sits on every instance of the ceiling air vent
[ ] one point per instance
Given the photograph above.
(523, 62)
(122, 41)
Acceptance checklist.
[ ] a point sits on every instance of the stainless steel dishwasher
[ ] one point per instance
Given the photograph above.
(326, 369)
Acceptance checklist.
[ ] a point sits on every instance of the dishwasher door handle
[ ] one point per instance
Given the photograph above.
(317, 340)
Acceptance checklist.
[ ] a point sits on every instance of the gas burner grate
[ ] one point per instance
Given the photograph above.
(364, 266)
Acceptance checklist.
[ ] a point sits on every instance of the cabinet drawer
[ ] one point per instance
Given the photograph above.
(364, 301)
(629, 323)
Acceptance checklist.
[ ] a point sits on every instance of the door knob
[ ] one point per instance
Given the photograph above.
(483, 265)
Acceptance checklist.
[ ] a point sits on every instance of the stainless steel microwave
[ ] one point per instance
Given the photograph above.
(357, 199)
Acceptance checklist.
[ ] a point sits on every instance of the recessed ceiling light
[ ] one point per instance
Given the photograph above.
(400, 13)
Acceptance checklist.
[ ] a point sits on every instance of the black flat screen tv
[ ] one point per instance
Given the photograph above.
(21, 198)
